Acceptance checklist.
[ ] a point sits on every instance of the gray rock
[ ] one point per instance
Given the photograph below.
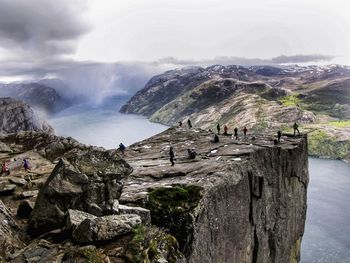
(24, 209)
(145, 214)
(4, 147)
(18, 181)
(27, 194)
(105, 228)
(88, 181)
(16, 116)
(75, 217)
(7, 189)
(9, 239)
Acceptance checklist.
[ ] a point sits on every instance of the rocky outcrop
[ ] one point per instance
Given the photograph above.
(239, 201)
(10, 240)
(262, 98)
(16, 116)
(105, 228)
(89, 182)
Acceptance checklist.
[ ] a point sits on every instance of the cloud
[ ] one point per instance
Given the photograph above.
(38, 29)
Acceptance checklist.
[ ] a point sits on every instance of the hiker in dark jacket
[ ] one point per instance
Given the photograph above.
(189, 123)
(295, 127)
(236, 132)
(172, 156)
(279, 135)
(191, 153)
(218, 128)
(225, 129)
(245, 130)
(122, 148)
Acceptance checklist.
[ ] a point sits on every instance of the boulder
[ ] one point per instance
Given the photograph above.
(105, 228)
(24, 209)
(27, 194)
(75, 217)
(9, 238)
(7, 189)
(144, 213)
(88, 181)
(18, 181)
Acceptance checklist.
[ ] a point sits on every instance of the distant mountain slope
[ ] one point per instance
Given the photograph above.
(263, 98)
(36, 95)
(17, 116)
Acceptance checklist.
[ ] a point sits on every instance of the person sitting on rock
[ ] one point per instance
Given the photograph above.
(236, 133)
(189, 123)
(26, 165)
(295, 127)
(218, 128)
(225, 129)
(180, 123)
(191, 153)
(5, 169)
(245, 130)
(122, 148)
(172, 156)
(279, 135)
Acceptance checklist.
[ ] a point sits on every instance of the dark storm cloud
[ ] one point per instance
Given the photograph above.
(41, 28)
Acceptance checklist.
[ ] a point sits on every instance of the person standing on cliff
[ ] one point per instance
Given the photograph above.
(295, 127)
(189, 123)
(218, 128)
(279, 135)
(122, 148)
(225, 129)
(245, 130)
(236, 133)
(172, 156)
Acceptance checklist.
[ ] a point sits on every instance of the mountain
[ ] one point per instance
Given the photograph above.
(262, 98)
(35, 94)
(17, 116)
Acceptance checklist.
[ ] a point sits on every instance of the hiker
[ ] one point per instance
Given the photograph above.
(295, 127)
(191, 153)
(180, 123)
(5, 169)
(189, 123)
(236, 133)
(26, 165)
(122, 148)
(218, 128)
(225, 129)
(216, 138)
(172, 156)
(245, 131)
(279, 135)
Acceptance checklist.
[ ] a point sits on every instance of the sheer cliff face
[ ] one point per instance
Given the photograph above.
(17, 116)
(252, 201)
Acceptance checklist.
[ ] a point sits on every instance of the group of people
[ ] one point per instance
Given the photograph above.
(5, 169)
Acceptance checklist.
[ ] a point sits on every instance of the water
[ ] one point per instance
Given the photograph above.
(327, 230)
(103, 125)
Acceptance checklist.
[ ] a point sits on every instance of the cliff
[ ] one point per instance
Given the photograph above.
(17, 116)
(239, 200)
(264, 99)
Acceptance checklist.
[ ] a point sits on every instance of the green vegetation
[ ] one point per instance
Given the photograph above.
(340, 123)
(175, 200)
(322, 144)
(171, 210)
(85, 255)
(150, 244)
(290, 100)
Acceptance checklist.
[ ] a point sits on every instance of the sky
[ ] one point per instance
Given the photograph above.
(43, 38)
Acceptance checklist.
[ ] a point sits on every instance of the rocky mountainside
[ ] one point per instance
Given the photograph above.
(17, 116)
(239, 200)
(36, 95)
(262, 98)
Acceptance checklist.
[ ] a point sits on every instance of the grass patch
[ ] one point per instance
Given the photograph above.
(85, 255)
(340, 123)
(150, 244)
(322, 144)
(290, 100)
(171, 210)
